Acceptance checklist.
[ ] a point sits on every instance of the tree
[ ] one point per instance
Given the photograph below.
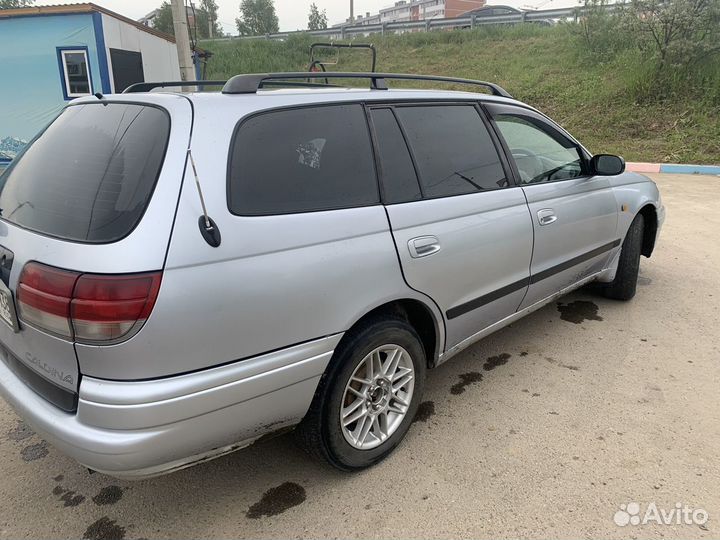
(163, 19)
(257, 17)
(207, 19)
(679, 32)
(10, 4)
(317, 20)
(206, 11)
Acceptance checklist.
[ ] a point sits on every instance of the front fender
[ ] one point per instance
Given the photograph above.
(634, 192)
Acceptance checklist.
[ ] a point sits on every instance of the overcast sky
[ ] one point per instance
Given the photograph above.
(292, 13)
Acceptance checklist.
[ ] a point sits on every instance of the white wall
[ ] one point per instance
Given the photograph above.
(160, 61)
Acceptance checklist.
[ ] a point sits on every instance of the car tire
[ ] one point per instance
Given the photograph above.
(391, 349)
(624, 285)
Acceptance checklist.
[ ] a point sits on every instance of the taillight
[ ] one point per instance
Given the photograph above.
(109, 307)
(89, 308)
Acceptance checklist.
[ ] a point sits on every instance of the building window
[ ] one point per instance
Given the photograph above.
(76, 72)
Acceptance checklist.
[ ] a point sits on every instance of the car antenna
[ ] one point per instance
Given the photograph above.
(208, 228)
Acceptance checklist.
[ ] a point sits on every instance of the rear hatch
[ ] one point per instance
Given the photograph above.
(86, 213)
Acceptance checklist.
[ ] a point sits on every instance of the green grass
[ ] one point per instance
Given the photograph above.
(596, 100)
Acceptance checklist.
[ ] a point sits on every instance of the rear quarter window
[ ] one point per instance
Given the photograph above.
(302, 160)
(90, 175)
(453, 149)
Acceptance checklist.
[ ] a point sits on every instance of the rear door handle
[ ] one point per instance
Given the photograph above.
(546, 216)
(422, 246)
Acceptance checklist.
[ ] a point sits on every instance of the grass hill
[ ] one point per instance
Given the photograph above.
(606, 101)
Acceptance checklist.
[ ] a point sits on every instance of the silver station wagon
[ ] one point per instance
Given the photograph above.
(185, 272)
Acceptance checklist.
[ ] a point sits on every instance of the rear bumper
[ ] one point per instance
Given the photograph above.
(146, 428)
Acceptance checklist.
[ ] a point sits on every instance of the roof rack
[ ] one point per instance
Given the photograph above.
(334, 45)
(149, 86)
(251, 83)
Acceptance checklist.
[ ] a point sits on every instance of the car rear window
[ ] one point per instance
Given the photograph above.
(302, 160)
(90, 175)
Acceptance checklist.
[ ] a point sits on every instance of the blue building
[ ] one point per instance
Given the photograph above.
(50, 55)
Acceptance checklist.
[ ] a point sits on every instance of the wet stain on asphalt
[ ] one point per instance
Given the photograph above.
(495, 361)
(69, 498)
(20, 432)
(424, 412)
(277, 500)
(578, 311)
(59, 478)
(466, 379)
(551, 360)
(108, 495)
(104, 529)
(34, 451)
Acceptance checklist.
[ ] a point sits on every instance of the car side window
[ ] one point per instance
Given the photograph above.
(541, 153)
(453, 150)
(302, 160)
(399, 180)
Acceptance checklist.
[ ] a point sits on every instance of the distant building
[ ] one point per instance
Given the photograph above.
(53, 54)
(416, 10)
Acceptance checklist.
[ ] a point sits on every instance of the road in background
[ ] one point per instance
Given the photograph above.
(541, 430)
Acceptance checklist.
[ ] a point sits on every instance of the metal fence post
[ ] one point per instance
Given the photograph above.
(472, 20)
(427, 25)
(384, 29)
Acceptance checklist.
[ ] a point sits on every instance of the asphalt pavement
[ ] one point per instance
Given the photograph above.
(574, 422)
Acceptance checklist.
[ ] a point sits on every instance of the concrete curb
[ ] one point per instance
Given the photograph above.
(673, 168)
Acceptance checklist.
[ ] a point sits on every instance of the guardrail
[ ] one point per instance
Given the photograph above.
(427, 25)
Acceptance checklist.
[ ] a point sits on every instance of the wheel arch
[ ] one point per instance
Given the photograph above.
(420, 315)
(649, 213)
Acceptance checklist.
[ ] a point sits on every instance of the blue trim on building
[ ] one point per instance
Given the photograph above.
(690, 169)
(102, 53)
(59, 51)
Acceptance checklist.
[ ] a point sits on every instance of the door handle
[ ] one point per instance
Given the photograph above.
(422, 246)
(546, 216)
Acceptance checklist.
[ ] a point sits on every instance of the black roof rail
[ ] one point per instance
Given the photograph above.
(251, 83)
(149, 86)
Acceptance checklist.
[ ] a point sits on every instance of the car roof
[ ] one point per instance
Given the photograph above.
(323, 95)
(214, 103)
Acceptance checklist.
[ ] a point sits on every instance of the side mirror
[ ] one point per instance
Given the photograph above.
(607, 165)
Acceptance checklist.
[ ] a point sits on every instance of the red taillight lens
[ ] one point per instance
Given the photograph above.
(44, 294)
(87, 307)
(109, 307)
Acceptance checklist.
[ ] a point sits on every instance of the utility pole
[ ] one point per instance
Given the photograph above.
(210, 25)
(182, 41)
(352, 11)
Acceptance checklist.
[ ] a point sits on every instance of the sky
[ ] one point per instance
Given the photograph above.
(293, 14)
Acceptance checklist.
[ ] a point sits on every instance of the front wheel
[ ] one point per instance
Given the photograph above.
(624, 285)
(365, 403)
